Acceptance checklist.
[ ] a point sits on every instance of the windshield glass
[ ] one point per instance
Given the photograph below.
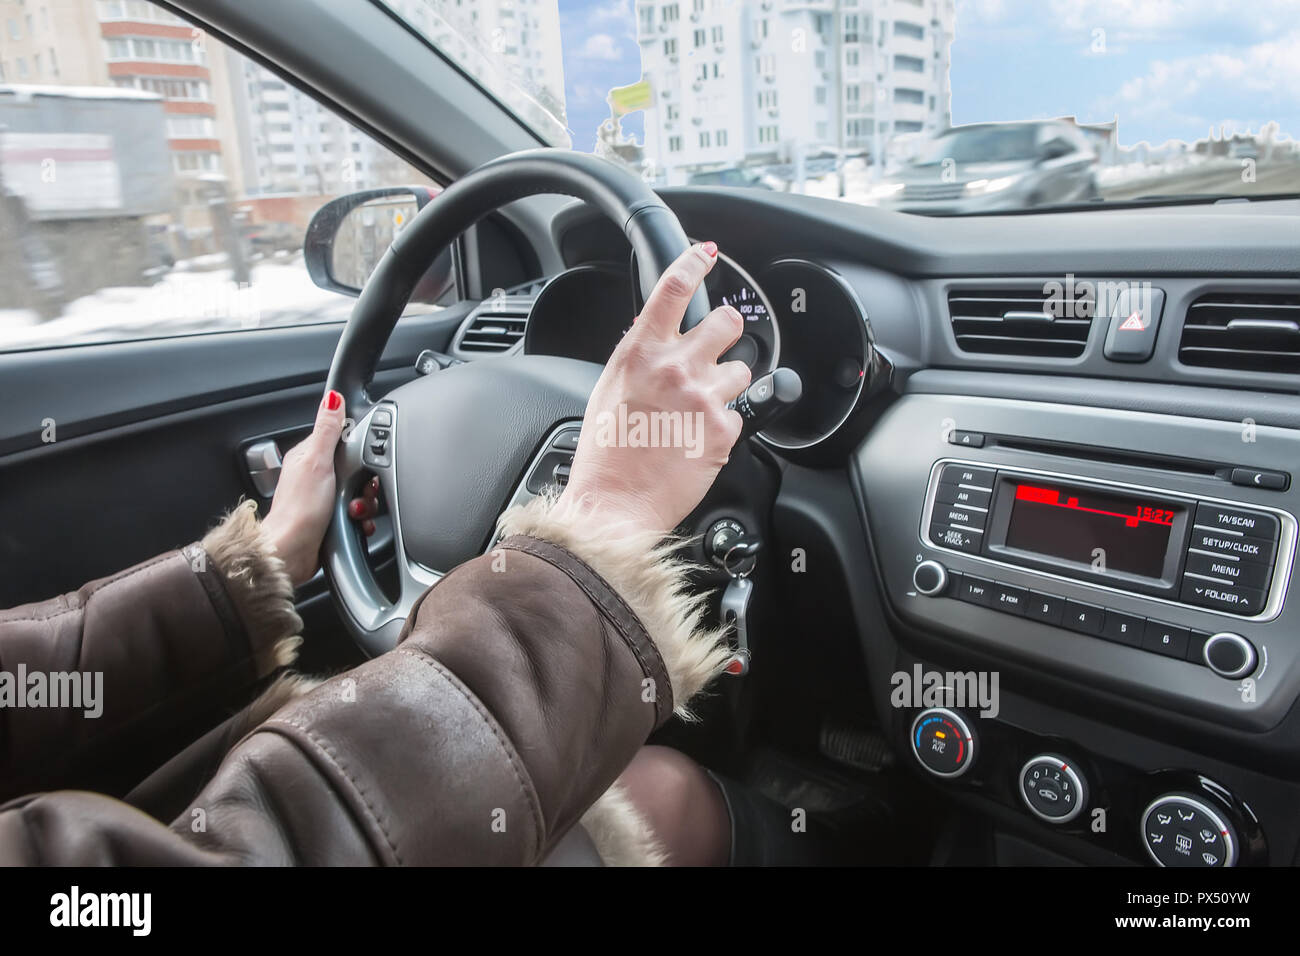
(862, 100)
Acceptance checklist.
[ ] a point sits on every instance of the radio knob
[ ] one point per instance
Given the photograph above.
(930, 578)
(1230, 655)
(1052, 789)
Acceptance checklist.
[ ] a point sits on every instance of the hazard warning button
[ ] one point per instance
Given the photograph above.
(1134, 321)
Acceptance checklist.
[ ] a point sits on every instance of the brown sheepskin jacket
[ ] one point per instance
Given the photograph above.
(523, 683)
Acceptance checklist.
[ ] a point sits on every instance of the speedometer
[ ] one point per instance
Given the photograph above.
(759, 345)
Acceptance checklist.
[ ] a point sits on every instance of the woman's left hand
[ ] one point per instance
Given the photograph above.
(300, 510)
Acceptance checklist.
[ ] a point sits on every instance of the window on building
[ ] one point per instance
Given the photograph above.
(716, 35)
(670, 47)
(36, 63)
(670, 13)
(647, 19)
(672, 112)
(190, 127)
(819, 96)
(903, 95)
(718, 71)
(22, 67)
(909, 64)
(703, 72)
(819, 59)
(850, 28)
(913, 31)
(701, 38)
(908, 126)
(674, 144)
(851, 57)
(15, 31)
(760, 29)
(820, 130)
(704, 139)
(54, 62)
(721, 137)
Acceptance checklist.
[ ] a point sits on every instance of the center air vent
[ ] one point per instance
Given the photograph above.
(1246, 331)
(1020, 322)
(495, 325)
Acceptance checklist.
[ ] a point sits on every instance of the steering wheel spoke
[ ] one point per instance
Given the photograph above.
(370, 448)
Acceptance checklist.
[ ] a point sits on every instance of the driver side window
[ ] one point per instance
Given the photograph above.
(155, 182)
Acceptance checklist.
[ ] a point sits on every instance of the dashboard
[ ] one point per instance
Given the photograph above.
(1054, 450)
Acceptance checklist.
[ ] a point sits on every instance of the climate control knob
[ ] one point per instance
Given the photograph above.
(1230, 655)
(930, 578)
(1052, 789)
(943, 742)
(1180, 829)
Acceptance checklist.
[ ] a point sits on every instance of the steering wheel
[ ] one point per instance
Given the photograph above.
(450, 448)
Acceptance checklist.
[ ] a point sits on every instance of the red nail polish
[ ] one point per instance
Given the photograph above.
(355, 507)
(333, 400)
(710, 249)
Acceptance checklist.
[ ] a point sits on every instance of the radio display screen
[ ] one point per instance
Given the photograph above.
(1103, 531)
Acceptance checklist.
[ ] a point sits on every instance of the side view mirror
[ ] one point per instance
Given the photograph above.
(1054, 149)
(348, 236)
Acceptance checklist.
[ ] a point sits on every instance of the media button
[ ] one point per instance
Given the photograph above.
(953, 514)
(1167, 639)
(1005, 597)
(1231, 543)
(1255, 524)
(954, 494)
(1235, 571)
(960, 539)
(1084, 618)
(1048, 608)
(1222, 597)
(1123, 628)
(981, 478)
(974, 590)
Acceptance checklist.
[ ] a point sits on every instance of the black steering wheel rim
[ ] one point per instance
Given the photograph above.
(546, 390)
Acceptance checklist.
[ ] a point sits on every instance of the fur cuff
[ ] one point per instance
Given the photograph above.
(622, 836)
(258, 586)
(647, 574)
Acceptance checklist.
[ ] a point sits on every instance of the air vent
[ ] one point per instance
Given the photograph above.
(495, 325)
(1250, 332)
(1020, 322)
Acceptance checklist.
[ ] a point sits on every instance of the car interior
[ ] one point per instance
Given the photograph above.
(1006, 580)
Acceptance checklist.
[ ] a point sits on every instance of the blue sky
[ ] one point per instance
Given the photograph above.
(1169, 69)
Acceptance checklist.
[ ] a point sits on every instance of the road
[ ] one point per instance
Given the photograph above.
(1221, 177)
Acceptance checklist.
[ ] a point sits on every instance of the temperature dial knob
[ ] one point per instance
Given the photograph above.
(1052, 789)
(943, 742)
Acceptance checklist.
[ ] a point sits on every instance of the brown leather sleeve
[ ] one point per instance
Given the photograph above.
(517, 695)
(136, 651)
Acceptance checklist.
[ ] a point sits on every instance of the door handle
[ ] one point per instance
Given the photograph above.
(264, 463)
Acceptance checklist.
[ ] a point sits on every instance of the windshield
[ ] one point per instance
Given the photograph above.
(861, 100)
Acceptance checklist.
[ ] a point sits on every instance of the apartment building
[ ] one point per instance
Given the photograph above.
(756, 82)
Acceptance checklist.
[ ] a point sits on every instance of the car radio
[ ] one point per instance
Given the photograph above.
(1205, 553)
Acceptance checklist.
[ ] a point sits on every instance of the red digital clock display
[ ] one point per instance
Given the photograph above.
(1101, 531)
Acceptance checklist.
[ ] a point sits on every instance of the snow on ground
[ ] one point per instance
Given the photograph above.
(183, 301)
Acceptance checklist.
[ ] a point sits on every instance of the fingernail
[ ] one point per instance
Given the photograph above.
(355, 507)
(368, 528)
(333, 400)
(710, 249)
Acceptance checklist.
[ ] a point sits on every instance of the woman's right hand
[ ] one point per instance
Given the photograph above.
(669, 384)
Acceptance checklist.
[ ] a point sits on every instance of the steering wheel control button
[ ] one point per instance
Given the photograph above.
(566, 441)
(1179, 829)
(1134, 322)
(379, 439)
(1052, 789)
(1230, 655)
(966, 439)
(930, 578)
(943, 742)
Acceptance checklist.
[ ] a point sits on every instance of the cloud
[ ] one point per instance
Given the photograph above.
(601, 46)
(615, 11)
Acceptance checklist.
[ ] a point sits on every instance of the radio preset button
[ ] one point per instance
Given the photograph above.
(1222, 597)
(1167, 639)
(1084, 618)
(1256, 524)
(981, 478)
(1123, 628)
(974, 590)
(954, 494)
(1048, 608)
(1007, 597)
